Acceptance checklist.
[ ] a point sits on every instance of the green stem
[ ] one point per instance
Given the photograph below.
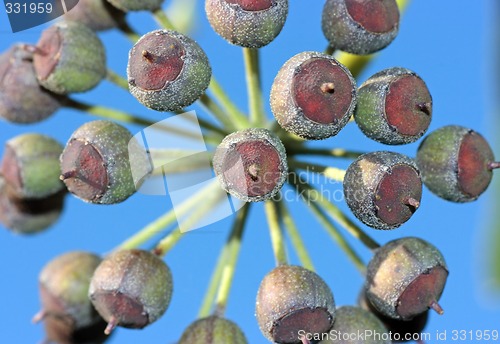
(334, 153)
(234, 246)
(126, 29)
(167, 219)
(239, 119)
(334, 212)
(295, 237)
(252, 72)
(167, 243)
(276, 233)
(162, 19)
(217, 112)
(332, 173)
(117, 79)
(196, 161)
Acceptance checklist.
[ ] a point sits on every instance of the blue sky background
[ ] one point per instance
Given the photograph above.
(449, 43)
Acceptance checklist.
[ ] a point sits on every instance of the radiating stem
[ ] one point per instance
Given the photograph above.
(239, 119)
(208, 299)
(252, 72)
(126, 29)
(295, 237)
(218, 113)
(162, 19)
(332, 173)
(167, 219)
(276, 233)
(234, 245)
(334, 153)
(334, 212)
(117, 79)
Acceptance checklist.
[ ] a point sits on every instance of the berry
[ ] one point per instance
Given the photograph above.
(383, 189)
(313, 96)
(30, 165)
(251, 164)
(69, 58)
(64, 285)
(351, 320)
(360, 26)
(22, 99)
(137, 5)
(292, 300)
(167, 71)
(213, 330)
(60, 331)
(31, 215)
(247, 23)
(95, 164)
(405, 278)
(394, 107)
(98, 15)
(131, 288)
(457, 163)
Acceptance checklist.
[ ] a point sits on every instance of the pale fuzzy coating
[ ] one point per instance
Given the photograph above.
(250, 134)
(213, 330)
(190, 84)
(353, 320)
(82, 60)
(361, 180)
(288, 288)
(285, 109)
(138, 274)
(99, 15)
(37, 157)
(250, 29)
(345, 34)
(67, 278)
(370, 110)
(18, 221)
(22, 99)
(111, 141)
(137, 5)
(437, 159)
(394, 266)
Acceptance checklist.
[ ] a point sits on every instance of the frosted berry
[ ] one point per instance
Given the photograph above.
(313, 96)
(383, 189)
(457, 163)
(405, 278)
(247, 23)
(251, 164)
(69, 58)
(30, 165)
(351, 320)
(99, 15)
(360, 26)
(131, 288)
(167, 71)
(291, 301)
(394, 107)
(22, 99)
(213, 330)
(95, 164)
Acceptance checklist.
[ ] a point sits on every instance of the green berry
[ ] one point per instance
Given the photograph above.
(131, 288)
(137, 5)
(383, 189)
(394, 107)
(95, 164)
(247, 23)
(405, 278)
(213, 330)
(22, 99)
(28, 216)
(167, 71)
(349, 321)
(30, 165)
(69, 58)
(456, 163)
(360, 26)
(251, 164)
(292, 301)
(313, 96)
(64, 286)
(98, 15)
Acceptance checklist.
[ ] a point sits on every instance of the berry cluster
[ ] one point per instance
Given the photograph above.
(314, 96)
